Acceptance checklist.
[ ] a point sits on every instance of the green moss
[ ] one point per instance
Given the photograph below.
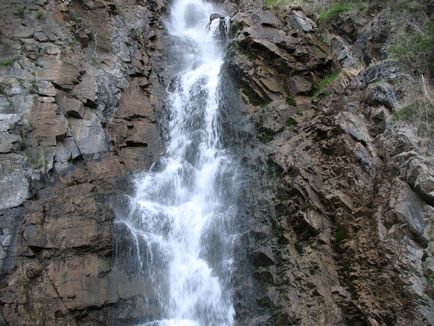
(291, 123)
(326, 81)
(431, 280)
(40, 15)
(39, 162)
(420, 114)
(320, 88)
(3, 88)
(7, 62)
(340, 235)
(33, 89)
(307, 207)
(20, 12)
(330, 12)
(291, 101)
(416, 49)
(277, 3)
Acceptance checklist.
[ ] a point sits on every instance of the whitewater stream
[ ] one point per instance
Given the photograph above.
(185, 207)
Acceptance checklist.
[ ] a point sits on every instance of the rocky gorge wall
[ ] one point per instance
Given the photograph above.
(339, 205)
(79, 94)
(342, 234)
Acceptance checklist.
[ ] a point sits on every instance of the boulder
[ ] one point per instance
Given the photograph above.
(89, 134)
(382, 94)
(410, 209)
(14, 190)
(296, 19)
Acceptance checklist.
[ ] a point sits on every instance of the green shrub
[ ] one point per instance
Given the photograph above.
(33, 89)
(40, 15)
(291, 123)
(340, 235)
(7, 62)
(291, 101)
(38, 162)
(277, 3)
(330, 12)
(416, 49)
(420, 114)
(3, 88)
(20, 12)
(321, 88)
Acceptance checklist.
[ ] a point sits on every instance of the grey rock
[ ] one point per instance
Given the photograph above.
(342, 52)
(41, 37)
(14, 190)
(87, 90)
(89, 134)
(354, 125)
(6, 241)
(384, 70)
(298, 20)
(9, 142)
(265, 18)
(429, 267)
(65, 153)
(382, 94)
(410, 209)
(46, 88)
(421, 179)
(71, 107)
(8, 121)
(262, 257)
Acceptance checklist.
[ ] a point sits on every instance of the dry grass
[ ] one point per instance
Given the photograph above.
(417, 109)
(337, 82)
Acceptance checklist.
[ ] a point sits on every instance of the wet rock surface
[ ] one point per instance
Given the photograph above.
(338, 198)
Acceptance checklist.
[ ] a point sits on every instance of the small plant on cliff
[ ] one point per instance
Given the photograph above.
(416, 50)
(291, 123)
(336, 82)
(7, 62)
(340, 235)
(421, 115)
(38, 162)
(322, 87)
(291, 101)
(33, 89)
(3, 88)
(40, 15)
(20, 12)
(418, 108)
(331, 11)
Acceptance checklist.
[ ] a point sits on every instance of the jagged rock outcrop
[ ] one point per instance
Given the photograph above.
(342, 231)
(79, 94)
(270, 59)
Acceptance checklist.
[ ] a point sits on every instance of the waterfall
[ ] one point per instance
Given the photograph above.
(184, 209)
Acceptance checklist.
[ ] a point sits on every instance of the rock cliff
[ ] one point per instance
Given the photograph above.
(342, 234)
(339, 204)
(80, 91)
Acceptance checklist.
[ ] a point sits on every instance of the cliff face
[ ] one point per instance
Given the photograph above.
(343, 234)
(339, 213)
(80, 88)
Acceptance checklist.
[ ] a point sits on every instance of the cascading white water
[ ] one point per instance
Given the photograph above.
(183, 211)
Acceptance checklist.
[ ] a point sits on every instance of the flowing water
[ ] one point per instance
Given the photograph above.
(184, 210)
